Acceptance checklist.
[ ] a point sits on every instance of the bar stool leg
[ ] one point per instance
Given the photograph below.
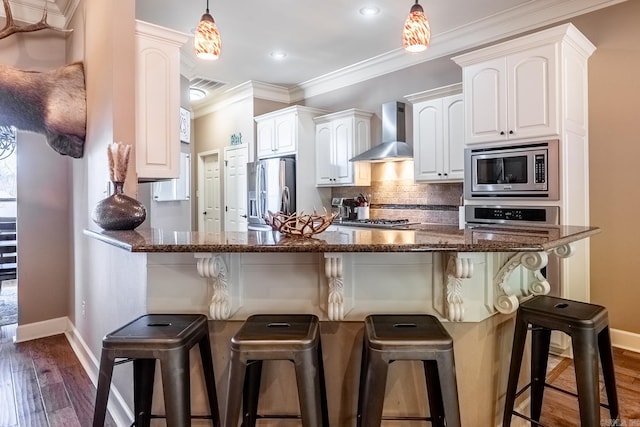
(323, 388)
(436, 406)
(519, 339)
(209, 378)
(307, 378)
(143, 376)
(104, 385)
(584, 344)
(375, 382)
(237, 369)
(251, 393)
(449, 392)
(540, 342)
(606, 359)
(176, 386)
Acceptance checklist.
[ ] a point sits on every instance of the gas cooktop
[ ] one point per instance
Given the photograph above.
(377, 223)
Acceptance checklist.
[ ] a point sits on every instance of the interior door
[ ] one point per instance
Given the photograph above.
(211, 206)
(235, 186)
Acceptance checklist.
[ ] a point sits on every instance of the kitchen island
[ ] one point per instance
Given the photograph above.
(473, 279)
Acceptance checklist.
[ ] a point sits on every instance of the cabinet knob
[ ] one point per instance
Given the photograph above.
(510, 132)
(502, 133)
(439, 174)
(446, 174)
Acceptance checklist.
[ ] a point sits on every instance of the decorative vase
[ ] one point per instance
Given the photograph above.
(119, 211)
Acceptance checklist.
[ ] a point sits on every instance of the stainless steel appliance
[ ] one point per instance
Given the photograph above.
(520, 171)
(345, 208)
(393, 146)
(271, 187)
(506, 222)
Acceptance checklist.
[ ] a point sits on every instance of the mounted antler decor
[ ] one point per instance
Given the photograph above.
(52, 103)
(11, 28)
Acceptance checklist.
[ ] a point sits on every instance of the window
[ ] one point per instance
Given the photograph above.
(8, 164)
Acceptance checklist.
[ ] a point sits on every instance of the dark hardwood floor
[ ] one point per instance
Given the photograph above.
(43, 384)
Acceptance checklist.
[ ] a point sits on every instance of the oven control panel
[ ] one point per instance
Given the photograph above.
(533, 215)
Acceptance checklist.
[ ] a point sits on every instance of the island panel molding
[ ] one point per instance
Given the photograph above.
(335, 280)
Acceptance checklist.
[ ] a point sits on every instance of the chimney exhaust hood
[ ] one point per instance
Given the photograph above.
(393, 146)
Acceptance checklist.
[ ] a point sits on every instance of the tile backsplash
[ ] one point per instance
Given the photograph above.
(395, 195)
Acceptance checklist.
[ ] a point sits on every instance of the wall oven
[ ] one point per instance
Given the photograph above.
(523, 171)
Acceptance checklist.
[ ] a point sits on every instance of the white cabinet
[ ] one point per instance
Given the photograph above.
(438, 147)
(276, 134)
(339, 137)
(157, 101)
(291, 132)
(513, 96)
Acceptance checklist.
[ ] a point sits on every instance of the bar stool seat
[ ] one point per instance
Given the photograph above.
(168, 339)
(293, 337)
(388, 338)
(588, 327)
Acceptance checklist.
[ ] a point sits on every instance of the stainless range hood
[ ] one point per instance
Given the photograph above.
(393, 146)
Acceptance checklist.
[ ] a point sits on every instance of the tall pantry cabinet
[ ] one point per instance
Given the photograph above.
(529, 89)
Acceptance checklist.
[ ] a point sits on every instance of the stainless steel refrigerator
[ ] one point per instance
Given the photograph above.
(272, 187)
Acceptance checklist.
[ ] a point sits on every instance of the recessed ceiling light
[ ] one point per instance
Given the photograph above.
(196, 94)
(278, 55)
(369, 11)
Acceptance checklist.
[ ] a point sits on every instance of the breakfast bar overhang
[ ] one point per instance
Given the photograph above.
(472, 279)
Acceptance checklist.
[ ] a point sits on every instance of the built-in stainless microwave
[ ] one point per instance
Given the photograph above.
(523, 171)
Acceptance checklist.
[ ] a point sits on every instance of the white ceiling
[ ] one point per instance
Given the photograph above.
(328, 42)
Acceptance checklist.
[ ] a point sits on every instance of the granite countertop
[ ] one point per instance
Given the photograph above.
(424, 238)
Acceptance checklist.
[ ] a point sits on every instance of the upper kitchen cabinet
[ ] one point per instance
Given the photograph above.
(514, 90)
(157, 101)
(339, 137)
(279, 133)
(438, 134)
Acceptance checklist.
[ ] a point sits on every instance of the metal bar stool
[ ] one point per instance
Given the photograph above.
(588, 327)
(167, 338)
(294, 337)
(388, 338)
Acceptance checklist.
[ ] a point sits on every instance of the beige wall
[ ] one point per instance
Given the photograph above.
(614, 138)
(44, 256)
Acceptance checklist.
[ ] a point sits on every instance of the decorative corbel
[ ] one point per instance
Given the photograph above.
(457, 269)
(334, 272)
(214, 267)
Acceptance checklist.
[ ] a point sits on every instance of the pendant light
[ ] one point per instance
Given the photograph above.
(416, 32)
(207, 41)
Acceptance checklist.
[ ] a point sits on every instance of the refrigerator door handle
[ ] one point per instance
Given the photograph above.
(259, 195)
(285, 201)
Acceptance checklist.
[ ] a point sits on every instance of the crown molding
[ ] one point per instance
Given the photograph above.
(487, 30)
(241, 92)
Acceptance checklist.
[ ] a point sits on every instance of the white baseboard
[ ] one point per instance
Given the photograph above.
(625, 340)
(118, 408)
(42, 329)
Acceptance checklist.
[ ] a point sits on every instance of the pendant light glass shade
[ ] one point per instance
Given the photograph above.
(207, 41)
(416, 32)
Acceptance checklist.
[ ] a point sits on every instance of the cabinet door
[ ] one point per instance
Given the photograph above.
(532, 90)
(343, 150)
(453, 137)
(485, 101)
(286, 134)
(427, 135)
(323, 154)
(265, 138)
(157, 98)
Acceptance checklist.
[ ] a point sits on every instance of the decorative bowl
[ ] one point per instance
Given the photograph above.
(299, 225)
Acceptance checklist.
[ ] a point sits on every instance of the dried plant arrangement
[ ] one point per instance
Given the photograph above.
(302, 225)
(118, 154)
